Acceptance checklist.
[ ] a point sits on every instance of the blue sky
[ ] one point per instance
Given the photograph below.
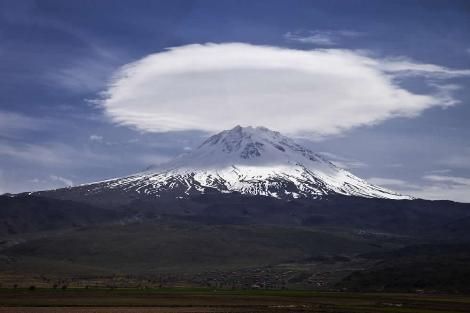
(58, 59)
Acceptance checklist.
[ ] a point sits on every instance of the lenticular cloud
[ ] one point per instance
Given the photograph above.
(216, 86)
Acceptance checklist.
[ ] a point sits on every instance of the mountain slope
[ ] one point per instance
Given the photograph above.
(19, 215)
(245, 160)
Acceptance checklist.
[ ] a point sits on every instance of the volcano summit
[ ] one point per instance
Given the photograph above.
(248, 161)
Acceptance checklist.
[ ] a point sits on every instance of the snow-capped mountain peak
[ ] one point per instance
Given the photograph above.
(245, 146)
(247, 160)
(248, 142)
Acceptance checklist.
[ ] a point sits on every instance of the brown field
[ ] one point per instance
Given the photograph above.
(206, 300)
(115, 310)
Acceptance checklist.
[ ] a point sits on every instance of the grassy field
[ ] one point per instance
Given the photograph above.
(209, 300)
(150, 248)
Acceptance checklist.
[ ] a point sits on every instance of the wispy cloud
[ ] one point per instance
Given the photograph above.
(84, 75)
(96, 138)
(433, 187)
(65, 181)
(459, 161)
(153, 159)
(11, 123)
(321, 37)
(318, 39)
(81, 70)
(408, 66)
(41, 183)
(392, 182)
(33, 153)
(449, 179)
(394, 165)
(51, 154)
(212, 87)
(342, 162)
(445, 187)
(439, 171)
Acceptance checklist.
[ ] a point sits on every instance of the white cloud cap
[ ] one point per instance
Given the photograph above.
(212, 87)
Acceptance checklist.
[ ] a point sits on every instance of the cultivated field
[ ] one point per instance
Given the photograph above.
(208, 300)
